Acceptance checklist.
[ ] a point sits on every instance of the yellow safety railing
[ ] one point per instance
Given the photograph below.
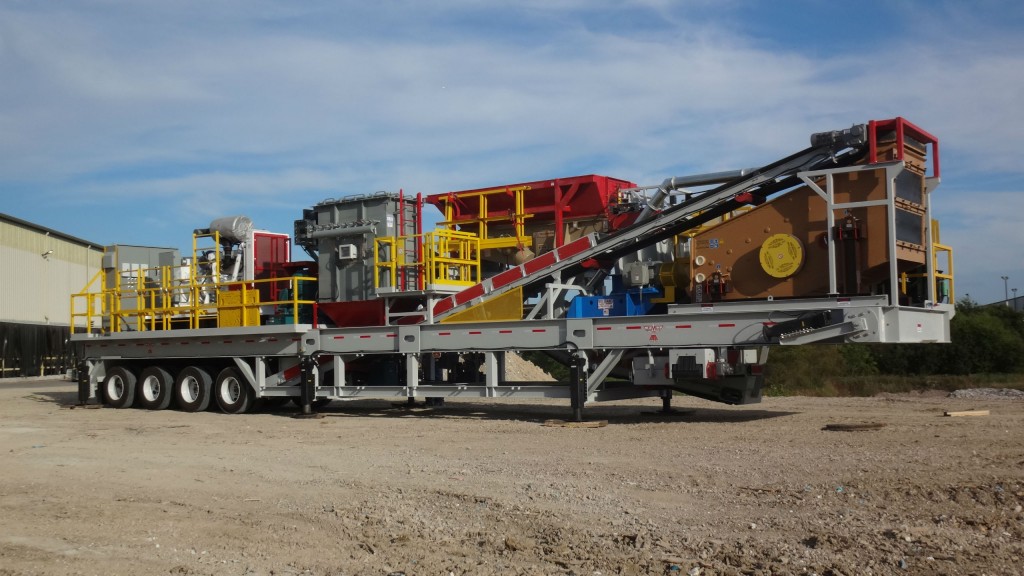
(451, 259)
(87, 305)
(483, 218)
(387, 261)
(206, 260)
(944, 285)
(166, 306)
(188, 296)
(943, 279)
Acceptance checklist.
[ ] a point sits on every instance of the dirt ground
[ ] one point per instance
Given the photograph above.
(485, 488)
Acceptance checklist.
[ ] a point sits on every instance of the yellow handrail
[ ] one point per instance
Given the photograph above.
(483, 219)
(944, 283)
(151, 308)
(188, 296)
(451, 258)
(89, 304)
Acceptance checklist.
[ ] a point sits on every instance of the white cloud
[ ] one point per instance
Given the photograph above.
(984, 230)
(278, 104)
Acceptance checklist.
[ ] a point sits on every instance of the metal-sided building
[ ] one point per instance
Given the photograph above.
(39, 269)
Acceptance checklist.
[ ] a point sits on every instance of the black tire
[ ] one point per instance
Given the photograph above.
(155, 389)
(119, 388)
(233, 393)
(192, 389)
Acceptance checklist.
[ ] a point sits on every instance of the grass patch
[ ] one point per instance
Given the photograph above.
(877, 384)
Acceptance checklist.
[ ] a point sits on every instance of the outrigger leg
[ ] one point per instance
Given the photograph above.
(83, 383)
(666, 402)
(307, 388)
(577, 386)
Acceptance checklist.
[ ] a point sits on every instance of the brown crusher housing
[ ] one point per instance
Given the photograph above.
(870, 211)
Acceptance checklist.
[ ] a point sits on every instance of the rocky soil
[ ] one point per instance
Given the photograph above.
(988, 393)
(483, 487)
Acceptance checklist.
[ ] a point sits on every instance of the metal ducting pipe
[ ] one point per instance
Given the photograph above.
(670, 184)
(232, 228)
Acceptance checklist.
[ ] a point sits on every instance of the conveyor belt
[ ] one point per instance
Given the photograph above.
(828, 150)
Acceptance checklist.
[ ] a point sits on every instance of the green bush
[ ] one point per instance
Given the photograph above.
(987, 348)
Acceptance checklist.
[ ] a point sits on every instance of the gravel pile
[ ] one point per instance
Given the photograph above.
(988, 393)
(518, 369)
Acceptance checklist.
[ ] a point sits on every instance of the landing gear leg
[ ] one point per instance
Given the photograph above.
(666, 407)
(84, 386)
(307, 391)
(666, 402)
(577, 386)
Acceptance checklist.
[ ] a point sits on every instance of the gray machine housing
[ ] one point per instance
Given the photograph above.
(341, 232)
(124, 265)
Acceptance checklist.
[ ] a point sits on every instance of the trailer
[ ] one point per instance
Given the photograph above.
(642, 291)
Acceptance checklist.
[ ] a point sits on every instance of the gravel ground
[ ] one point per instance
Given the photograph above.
(483, 488)
(988, 393)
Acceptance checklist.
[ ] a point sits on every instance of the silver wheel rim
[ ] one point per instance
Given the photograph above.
(151, 388)
(115, 387)
(190, 389)
(230, 390)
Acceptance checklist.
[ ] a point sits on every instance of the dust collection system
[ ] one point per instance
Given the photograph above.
(642, 291)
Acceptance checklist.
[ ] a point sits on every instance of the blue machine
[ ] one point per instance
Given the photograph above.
(632, 302)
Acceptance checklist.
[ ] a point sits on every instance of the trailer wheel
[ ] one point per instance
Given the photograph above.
(119, 388)
(155, 388)
(233, 393)
(192, 389)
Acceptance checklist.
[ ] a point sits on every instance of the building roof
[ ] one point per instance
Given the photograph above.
(50, 231)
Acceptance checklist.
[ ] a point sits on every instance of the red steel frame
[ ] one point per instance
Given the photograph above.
(557, 200)
(417, 231)
(903, 127)
(420, 278)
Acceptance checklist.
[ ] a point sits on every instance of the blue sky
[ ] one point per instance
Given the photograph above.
(135, 122)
